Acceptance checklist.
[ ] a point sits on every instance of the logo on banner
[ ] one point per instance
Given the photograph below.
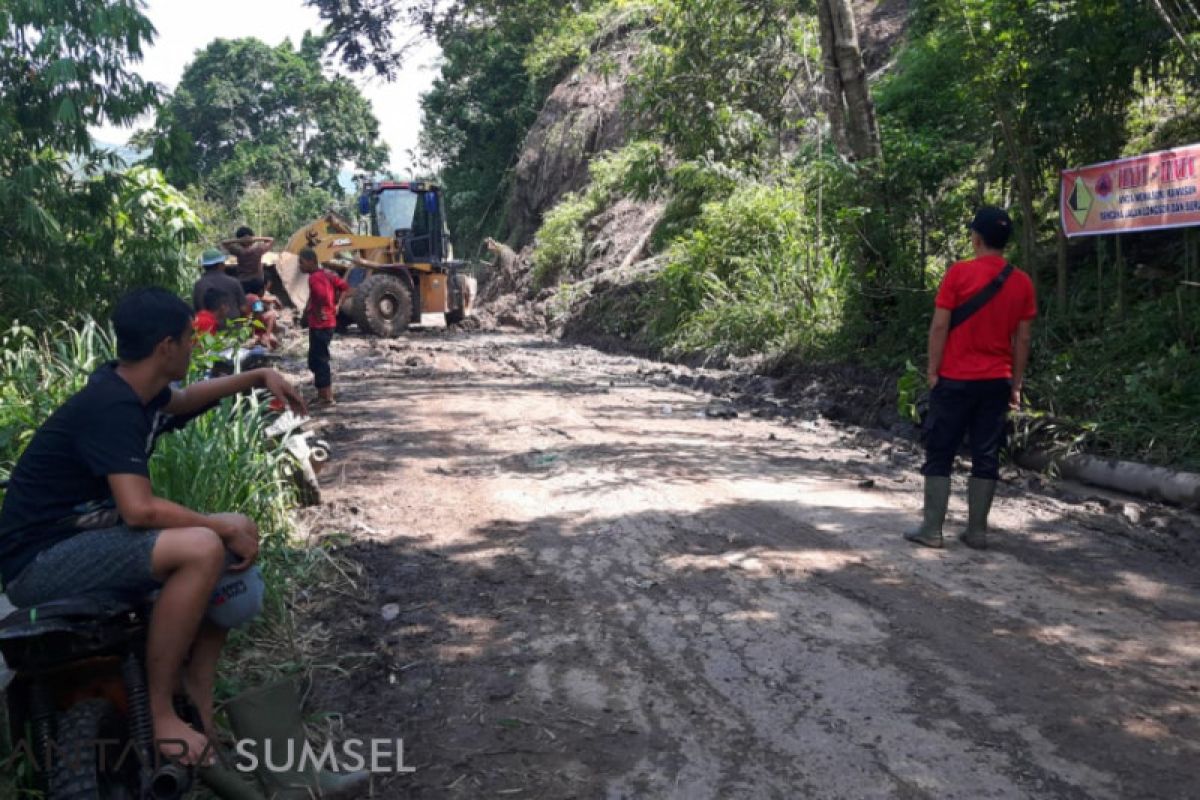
(1080, 201)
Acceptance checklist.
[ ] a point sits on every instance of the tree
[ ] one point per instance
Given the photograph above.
(77, 233)
(721, 78)
(244, 111)
(847, 97)
(483, 103)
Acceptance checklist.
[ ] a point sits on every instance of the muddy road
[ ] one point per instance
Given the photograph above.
(571, 580)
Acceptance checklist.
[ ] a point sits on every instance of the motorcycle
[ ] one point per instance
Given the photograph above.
(78, 711)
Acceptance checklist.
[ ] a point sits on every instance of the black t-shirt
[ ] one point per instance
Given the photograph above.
(215, 278)
(60, 484)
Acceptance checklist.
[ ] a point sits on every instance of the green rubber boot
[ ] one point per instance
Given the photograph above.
(227, 783)
(937, 499)
(980, 492)
(269, 717)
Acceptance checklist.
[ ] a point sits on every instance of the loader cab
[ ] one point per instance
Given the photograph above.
(412, 213)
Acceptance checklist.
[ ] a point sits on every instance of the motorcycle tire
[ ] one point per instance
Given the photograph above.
(76, 772)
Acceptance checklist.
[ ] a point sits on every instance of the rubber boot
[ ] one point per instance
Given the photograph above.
(270, 717)
(937, 499)
(230, 784)
(980, 492)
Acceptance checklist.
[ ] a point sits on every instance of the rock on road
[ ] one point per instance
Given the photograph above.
(595, 590)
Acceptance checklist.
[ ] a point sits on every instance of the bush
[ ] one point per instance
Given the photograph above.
(110, 233)
(691, 185)
(1131, 383)
(754, 276)
(268, 209)
(567, 44)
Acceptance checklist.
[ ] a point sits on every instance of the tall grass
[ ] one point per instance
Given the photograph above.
(38, 374)
(753, 276)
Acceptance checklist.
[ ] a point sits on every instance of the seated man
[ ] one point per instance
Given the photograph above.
(80, 514)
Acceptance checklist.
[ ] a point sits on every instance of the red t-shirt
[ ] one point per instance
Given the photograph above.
(205, 322)
(322, 297)
(981, 348)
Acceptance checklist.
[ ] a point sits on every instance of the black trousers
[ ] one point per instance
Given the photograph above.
(318, 356)
(977, 409)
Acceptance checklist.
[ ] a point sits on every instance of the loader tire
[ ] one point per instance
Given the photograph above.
(382, 306)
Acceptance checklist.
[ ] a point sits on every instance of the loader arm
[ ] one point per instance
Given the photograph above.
(330, 235)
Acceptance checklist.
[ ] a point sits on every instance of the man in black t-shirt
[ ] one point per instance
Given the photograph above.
(80, 514)
(212, 261)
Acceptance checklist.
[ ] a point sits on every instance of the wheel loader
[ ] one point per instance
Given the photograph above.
(403, 268)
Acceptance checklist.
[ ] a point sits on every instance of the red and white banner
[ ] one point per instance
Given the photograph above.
(1143, 193)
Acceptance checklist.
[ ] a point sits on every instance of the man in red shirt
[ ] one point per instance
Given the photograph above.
(324, 291)
(976, 368)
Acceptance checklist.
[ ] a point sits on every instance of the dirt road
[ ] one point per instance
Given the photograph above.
(575, 584)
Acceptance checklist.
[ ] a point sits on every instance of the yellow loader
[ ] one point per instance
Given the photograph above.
(404, 268)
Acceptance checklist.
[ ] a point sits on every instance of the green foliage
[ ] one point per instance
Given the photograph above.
(38, 373)
(244, 112)
(569, 43)
(64, 66)
(559, 245)
(267, 208)
(909, 389)
(753, 276)
(483, 103)
(109, 233)
(75, 234)
(692, 185)
(718, 78)
(1131, 381)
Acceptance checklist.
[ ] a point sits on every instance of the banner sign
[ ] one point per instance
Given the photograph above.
(1143, 193)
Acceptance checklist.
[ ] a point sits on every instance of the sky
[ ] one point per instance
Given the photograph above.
(185, 27)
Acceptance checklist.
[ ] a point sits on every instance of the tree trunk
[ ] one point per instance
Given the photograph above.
(1061, 286)
(847, 96)
(1024, 181)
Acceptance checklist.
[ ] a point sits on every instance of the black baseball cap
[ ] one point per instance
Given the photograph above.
(994, 225)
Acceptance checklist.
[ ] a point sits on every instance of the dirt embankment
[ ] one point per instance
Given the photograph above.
(576, 576)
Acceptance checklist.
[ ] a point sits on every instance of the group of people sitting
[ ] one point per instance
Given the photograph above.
(219, 297)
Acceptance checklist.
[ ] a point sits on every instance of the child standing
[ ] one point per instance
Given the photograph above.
(324, 291)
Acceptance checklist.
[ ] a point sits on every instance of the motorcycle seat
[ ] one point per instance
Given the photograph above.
(88, 607)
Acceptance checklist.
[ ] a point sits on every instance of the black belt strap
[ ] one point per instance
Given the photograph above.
(978, 300)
